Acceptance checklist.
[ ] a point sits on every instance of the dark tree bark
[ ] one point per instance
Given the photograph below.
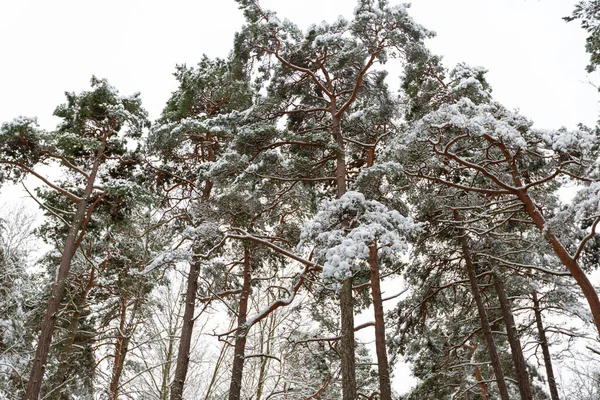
(77, 228)
(485, 325)
(348, 368)
(235, 388)
(385, 388)
(64, 357)
(66, 351)
(185, 343)
(126, 329)
(545, 348)
(348, 365)
(513, 340)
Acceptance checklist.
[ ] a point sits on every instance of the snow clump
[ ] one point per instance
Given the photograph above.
(343, 230)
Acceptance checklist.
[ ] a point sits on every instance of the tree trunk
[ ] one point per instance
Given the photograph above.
(513, 340)
(485, 325)
(185, 343)
(122, 348)
(58, 289)
(481, 383)
(65, 354)
(235, 388)
(59, 377)
(126, 330)
(347, 342)
(123, 335)
(566, 259)
(340, 160)
(348, 367)
(385, 388)
(545, 348)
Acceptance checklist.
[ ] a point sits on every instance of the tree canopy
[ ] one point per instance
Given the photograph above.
(227, 249)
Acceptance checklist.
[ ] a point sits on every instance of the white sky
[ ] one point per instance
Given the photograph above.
(536, 60)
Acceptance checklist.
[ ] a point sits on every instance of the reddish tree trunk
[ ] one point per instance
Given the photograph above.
(485, 325)
(235, 388)
(385, 388)
(78, 225)
(123, 335)
(567, 260)
(348, 365)
(185, 342)
(513, 340)
(481, 383)
(545, 348)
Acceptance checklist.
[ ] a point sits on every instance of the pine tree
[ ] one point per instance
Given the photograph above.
(511, 163)
(315, 80)
(92, 131)
(188, 137)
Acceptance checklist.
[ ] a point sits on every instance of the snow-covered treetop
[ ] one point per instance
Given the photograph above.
(378, 24)
(199, 121)
(343, 230)
(467, 81)
(178, 139)
(373, 179)
(21, 143)
(87, 117)
(464, 112)
(565, 140)
(466, 117)
(377, 32)
(102, 108)
(213, 86)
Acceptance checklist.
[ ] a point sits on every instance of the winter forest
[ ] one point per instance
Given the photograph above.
(288, 203)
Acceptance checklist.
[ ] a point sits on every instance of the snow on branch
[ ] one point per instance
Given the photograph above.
(344, 228)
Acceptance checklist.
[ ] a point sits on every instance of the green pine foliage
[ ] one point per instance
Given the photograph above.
(272, 178)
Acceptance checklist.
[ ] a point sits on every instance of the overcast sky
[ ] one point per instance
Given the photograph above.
(536, 60)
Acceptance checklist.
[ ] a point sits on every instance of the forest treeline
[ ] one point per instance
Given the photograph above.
(224, 250)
